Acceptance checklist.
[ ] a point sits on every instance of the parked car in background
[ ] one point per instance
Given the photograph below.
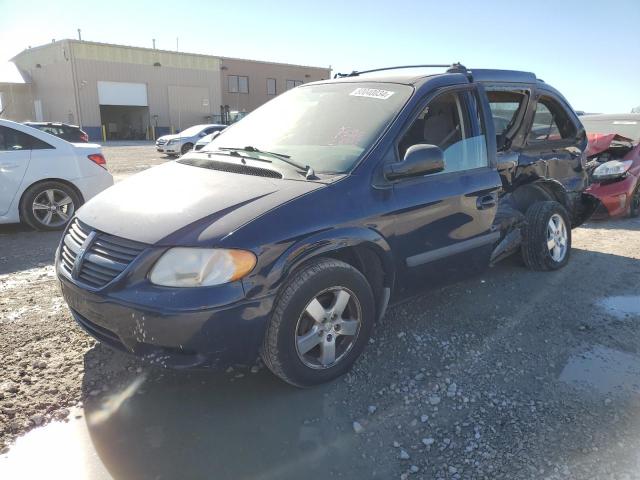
(288, 238)
(44, 179)
(181, 143)
(70, 133)
(614, 163)
(207, 139)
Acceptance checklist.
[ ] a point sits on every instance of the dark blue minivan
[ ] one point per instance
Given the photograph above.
(287, 235)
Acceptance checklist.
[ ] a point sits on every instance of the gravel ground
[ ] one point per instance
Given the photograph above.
(511, 374)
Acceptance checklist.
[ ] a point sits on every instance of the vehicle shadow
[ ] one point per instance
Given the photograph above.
(625, 223)
(160, 424)
(22, 248)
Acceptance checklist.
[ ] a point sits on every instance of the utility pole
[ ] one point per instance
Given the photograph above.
(79, 34)
(177, 49)
(154, 43)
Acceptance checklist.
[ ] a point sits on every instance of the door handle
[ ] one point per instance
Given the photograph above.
(486, 201)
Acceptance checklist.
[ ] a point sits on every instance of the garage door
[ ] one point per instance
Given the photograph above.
(122, 93)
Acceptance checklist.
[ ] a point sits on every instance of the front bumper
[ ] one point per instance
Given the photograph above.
(173, 327)
(614, 196)
(173, 149)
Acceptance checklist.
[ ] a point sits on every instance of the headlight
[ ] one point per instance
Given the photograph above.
(201, 267)
(171, 142)
(611, 169)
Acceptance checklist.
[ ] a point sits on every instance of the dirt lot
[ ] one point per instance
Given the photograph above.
(511, 374)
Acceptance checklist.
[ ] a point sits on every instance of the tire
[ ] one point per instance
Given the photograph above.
(49, 205)
(324, 281)
(634, 203)
(537, 250)
(186, 148)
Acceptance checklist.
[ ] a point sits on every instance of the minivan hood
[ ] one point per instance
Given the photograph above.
(176, 204)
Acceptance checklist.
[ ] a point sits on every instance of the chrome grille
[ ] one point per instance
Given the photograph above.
(105, 256)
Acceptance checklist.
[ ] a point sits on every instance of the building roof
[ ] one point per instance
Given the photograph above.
(219, 57)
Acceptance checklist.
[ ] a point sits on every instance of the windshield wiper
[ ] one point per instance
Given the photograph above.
(309, 173)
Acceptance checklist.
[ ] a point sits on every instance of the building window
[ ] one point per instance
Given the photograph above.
(271, 86)
(238, 84)
(293, 83)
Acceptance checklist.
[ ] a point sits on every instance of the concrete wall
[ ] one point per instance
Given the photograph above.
(184, 79)
(17, 101)
(258, 72)
(49, 68)
(183, 89)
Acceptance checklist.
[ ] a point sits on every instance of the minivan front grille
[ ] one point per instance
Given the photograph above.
(103, 256)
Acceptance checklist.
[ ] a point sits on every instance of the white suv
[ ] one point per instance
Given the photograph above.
(44, 179)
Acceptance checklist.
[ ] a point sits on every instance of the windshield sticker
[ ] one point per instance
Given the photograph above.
(371, 93)
(625, 122)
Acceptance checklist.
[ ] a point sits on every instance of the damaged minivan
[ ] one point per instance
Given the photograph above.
(289, 234)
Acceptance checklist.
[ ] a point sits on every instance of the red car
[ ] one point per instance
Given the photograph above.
(614, 163)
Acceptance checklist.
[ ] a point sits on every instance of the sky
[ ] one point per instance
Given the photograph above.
(588, 49)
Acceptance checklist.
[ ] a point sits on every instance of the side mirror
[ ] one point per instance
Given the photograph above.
(419, 160)
(202, 134)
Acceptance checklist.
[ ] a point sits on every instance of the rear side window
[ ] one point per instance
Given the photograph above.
(506, 107)
(448, 122)
(37, 144)
(551, 122)
(12, 140)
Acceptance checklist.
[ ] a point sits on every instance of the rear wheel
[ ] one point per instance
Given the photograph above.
(321, 322)
(634, 207)
(546, 243)
(49, 205)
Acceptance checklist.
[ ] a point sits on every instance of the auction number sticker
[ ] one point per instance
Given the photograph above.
(371, 93)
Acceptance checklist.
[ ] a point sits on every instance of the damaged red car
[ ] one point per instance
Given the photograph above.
(614, 163)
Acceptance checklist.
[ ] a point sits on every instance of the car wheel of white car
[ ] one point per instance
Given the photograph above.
(49, 205)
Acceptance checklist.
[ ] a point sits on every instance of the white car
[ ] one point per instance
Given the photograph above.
(206, 140)
(44, 179)
(181, 143)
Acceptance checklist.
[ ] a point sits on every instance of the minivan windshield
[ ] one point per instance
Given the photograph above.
(327, 127)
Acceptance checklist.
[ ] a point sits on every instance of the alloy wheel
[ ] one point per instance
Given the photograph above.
(557, 237)
(328, 328)
(52, 207)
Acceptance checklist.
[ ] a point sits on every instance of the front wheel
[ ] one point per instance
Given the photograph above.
(186, 148)
(49, 205)
(546, 243)
(320, 325)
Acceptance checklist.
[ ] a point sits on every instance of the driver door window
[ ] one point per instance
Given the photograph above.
(446, 123)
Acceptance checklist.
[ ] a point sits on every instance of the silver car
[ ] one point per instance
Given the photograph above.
(200, 144)
(181, 143)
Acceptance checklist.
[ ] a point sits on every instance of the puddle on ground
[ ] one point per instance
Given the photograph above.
(57, 450)
(604, 370)
(621, 307)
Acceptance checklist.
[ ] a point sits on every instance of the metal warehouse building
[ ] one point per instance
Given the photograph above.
(120, 92)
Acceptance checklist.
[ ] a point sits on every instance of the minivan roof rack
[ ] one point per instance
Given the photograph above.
(453, 68)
